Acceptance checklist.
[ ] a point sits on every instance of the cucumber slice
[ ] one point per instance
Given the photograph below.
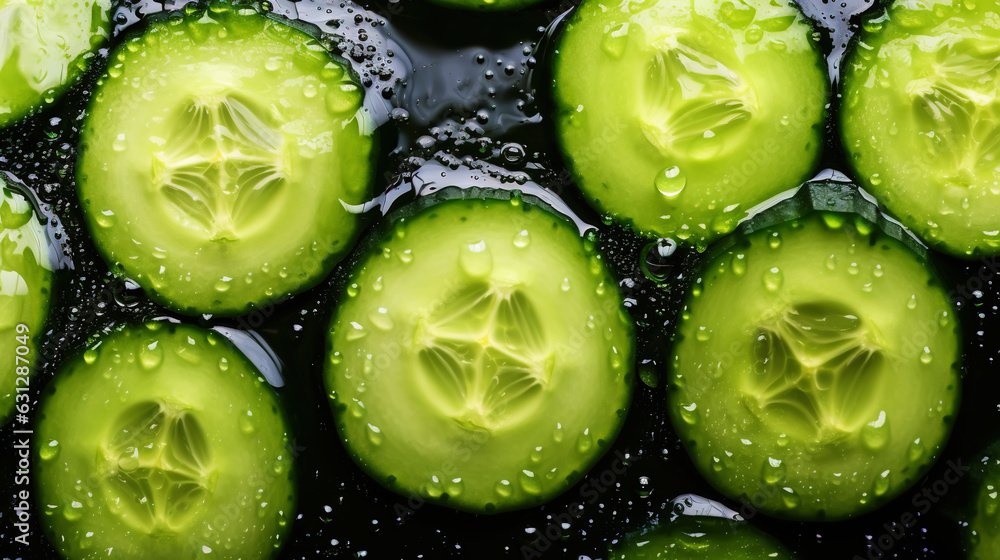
(481, 358)
(678, 116)
(44, 45)
(216, 158)
(695, 538)
(832, 384)
(163, 442)
(25, 289)
(984, 528)
(921, 119)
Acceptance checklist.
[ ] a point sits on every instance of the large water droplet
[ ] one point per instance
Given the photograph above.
(49, 451)
(375, 435)
(381, 319)
(881, 484)
(476, 259)
(529, 483)
(503, 489)
(522, 239)
(773, 278)
(875, 434)
(689, 413)
(151, 355)
(774, 471)
(671, 181)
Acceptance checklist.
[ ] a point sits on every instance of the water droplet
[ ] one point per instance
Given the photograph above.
(356, 331)
(877, 271)
(49, 451)
(754, 35)
(831, 262)
(915, 450)
(128, 461)
(476, 259)
(503, 489)
(671, 181)
(774, 240)
(875, 434)
(614, 358)
(875, 180)
(689, 413)
(90, 355)
(614, 41)
(738, 264)
(565, 285)
(853, 268)
(774, 471)
(106, 218)
(944, 320)
(584, 441)
(529, 483)
(522, 239)
(381, 319)
(353, 290)
(151, 355)
(773, 278)
(454, 487)
(119, 144)
(375, 435)
(791, 498)
(912, 302)
(246, 423)
(925, 355)
(223, 284)
(559, 433)
(881, 484)
(703, 334)
(536, 455)
(73, 511)
(434, 488)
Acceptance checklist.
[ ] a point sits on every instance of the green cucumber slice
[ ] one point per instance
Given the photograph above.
(697, 538)
(815, 370)
(984, 527)
(44, 45)
(678, 117)
(25, 290)
(921, 119)
(216, 159)
(481, 358)
(163, 442)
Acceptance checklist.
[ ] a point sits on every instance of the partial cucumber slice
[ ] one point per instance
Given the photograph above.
(25, 290)
(44, 45)
(216, 158)
(921, 119)
(163, 442)
(815, 371)
(481, 358)
(679, 116)
(701, 538)
(984, 528)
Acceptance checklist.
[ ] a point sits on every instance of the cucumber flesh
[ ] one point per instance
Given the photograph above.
(44, 44)
(25, 290)
(984, 528)
(220, 184)
(833, 386)
(678, 117)
(696, 538)
(480, 358)
(921, 120)
(162, 441)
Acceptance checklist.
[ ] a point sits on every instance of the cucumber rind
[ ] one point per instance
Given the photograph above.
(786, 489)
(691, 537)
(194, 241)
(618, 167)
(494, 457)
(171, 401)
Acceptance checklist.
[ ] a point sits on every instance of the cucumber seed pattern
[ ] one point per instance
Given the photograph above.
(483, 356)
(159, 468)
(222, 167)
(817, 364)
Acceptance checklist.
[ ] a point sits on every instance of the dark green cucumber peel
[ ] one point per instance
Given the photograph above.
(220, 185)
(163, 442)
(25, 290)
(693, 538)
(480, 357)
(45, 45)
(677, 117)
(834, 385)
(921, 123)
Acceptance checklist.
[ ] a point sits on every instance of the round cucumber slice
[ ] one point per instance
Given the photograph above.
(481, 358)
(815, 371)
(216, 159)
(25, 290)
(697, 538)
(678, 117)
(44, 45)
(163, 441)
(921, 119)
